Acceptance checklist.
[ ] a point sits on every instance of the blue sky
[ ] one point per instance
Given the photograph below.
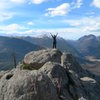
(70, 18)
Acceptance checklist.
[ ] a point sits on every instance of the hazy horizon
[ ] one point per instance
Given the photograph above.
(39, 36)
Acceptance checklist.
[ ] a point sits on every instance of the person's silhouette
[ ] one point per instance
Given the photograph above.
(54, 40)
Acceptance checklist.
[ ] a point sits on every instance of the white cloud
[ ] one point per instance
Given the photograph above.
(38, 1)
(31, 23)
(63, 32)
(4, 4)
(96, 3)
(6, 7)
(11, 28)
(67, 33)
(18, 1)
(92, 28)
(87, 24)
(80, 29)
(61, 10)
(29, 1)
(5, 16)
(72, 22)
(79, 3)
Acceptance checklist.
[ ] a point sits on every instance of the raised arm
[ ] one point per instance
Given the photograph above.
(56, 34)
(51, 35)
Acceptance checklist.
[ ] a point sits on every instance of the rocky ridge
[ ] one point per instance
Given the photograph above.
(53, 76)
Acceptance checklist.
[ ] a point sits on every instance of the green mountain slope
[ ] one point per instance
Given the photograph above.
(8, 46)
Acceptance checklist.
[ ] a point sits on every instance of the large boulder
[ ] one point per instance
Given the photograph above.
(38, 58)
(27, 85)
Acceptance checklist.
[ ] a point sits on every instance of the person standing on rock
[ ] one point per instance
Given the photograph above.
(54, 40)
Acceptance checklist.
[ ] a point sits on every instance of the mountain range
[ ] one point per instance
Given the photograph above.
(88, 45)
(11, 45)
(83, 48)
(46, 42)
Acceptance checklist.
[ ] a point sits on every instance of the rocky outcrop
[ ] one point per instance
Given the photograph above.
(52, 81)
(38, 58)
(70, 63)
(27, 85)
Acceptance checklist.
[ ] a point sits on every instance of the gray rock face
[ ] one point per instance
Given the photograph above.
(2, 73)
(70, 63)
(27, 85)
(53, 81)
(39, 58)
(54, 72)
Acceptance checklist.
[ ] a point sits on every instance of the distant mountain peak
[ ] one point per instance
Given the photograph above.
(43, 36)
(88, 37)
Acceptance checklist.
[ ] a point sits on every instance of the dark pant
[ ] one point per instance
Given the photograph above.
(54, 45)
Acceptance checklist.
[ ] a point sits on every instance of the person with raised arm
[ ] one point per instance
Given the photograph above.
(54, 40)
